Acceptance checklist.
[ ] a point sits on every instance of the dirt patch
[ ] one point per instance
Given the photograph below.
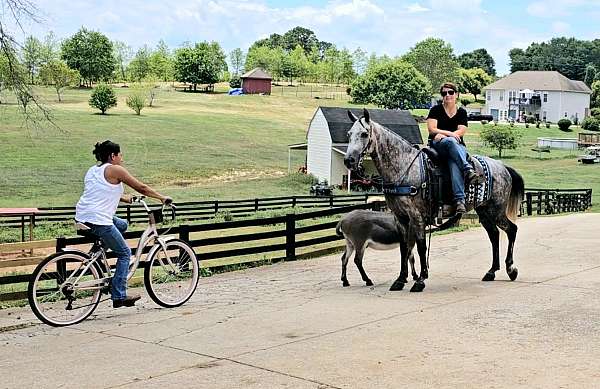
(230, 176)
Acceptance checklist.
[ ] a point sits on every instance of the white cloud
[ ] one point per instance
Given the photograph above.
(416, 7)
(556, 9)
(560, 27)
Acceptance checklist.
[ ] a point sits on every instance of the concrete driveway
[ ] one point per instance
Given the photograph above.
(292, 325)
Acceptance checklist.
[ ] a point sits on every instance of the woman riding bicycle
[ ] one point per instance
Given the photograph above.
(103, 189)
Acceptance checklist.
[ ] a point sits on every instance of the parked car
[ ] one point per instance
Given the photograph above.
(321, 189)
(592, 155)
(479, 117)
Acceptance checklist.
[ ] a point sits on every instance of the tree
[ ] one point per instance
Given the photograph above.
(103, 97)
(161, 62)
(58, 74)
(479, 58)
(49, 50)
(237, 59)
(261, 57)
(435, 59)
(301, 36)
(595, 97)
(518, 60)
(359, 61)
(473, 81)
(122, 53)
(590, 74)
(391, 84)
(32, 56)
(139, 67)
(201, 64)
(501, 137)
(136, 100)
(91, 53)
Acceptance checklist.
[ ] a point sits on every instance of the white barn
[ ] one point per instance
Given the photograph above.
(327, 139)
(547, 95)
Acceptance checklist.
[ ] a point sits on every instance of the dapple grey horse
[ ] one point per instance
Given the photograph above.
(398, 162)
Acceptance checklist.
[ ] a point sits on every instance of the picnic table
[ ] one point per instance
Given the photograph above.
(24, 213)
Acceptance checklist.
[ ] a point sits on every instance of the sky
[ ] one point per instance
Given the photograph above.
(382, 26)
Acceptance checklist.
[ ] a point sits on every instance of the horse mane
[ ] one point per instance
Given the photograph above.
(400, 137)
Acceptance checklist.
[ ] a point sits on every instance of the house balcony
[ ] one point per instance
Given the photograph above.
(534, 101)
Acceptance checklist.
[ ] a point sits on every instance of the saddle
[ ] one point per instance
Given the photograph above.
(440, 184)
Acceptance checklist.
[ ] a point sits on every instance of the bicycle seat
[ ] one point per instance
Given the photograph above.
(84, 230)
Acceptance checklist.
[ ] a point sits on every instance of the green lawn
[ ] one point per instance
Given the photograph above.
(196, 146)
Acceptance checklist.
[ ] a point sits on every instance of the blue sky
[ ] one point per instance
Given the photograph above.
(381, 26)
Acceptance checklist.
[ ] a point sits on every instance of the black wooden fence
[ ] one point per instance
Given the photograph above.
(552, 201)
(285, 227)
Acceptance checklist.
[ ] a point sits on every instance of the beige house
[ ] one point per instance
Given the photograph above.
(547, 95)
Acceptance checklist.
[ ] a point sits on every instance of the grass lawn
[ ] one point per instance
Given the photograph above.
(196, 146)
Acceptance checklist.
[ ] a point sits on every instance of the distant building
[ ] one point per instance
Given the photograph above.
(327, 139)
(256, 81)
(546, 95)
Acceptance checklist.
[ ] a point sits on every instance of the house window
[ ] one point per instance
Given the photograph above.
(545, 115)
(512, 95)
(545, 97)
(501, 97)
(489, 96)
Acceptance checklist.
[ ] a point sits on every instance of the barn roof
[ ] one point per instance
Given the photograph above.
(257, 73)
(400, 122)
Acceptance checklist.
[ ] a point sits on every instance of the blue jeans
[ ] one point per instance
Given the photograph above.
(112, 237)
(456, 156)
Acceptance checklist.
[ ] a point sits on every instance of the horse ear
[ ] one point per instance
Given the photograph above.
(352, 116)
(366, 115)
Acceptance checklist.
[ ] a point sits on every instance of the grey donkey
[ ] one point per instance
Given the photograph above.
(363, 228)
(398, 163)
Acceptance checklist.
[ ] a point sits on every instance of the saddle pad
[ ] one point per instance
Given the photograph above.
(479, 193)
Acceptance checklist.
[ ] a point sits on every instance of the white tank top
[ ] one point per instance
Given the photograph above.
(99, 201)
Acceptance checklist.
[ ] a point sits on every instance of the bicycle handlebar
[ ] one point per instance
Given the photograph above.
(169, 203)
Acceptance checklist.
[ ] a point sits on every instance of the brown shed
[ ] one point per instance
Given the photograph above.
(256, 81)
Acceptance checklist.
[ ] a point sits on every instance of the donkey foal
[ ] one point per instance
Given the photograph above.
(362, 229)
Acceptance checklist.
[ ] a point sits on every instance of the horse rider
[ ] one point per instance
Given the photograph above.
(447, 124)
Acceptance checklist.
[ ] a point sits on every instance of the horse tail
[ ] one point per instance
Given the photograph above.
(517, 192)
(338, 229)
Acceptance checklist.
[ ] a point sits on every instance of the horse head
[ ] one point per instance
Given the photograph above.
(359, 139)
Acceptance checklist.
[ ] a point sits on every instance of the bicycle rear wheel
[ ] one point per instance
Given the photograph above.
(171, 275)
(56, 294)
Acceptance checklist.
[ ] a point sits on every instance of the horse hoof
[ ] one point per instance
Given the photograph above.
(513, 274)
(397, 286)
(489, 277)
(415, 277)
(345, 283)
(418, 287)
(369, 283)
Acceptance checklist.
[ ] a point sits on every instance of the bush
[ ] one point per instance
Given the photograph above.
(103, 97)
(537, 124)
(530, 119)
(136, 101)
(548, 124)
(484, 122)
(591, 124)
(564, 124)
(595, 112)
(235, 82)
(526, 124)
(465, 102)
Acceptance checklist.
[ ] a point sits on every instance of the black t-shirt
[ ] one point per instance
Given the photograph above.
(444, 122)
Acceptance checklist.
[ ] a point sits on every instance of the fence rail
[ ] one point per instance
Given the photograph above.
(553, 201)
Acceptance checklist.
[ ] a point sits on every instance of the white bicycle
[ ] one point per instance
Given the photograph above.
(66, 287)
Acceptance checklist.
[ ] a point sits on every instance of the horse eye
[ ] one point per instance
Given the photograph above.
(364, 135)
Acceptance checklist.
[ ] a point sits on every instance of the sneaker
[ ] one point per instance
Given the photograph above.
(128, 301)
(460, 207)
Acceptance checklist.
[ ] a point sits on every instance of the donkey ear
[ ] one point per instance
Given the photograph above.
(366, 115)
(352, 116)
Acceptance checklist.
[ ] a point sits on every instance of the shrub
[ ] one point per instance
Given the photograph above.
(564, 124)
(136, 101)
(530, 119)
(484, 122)
(591, 124)
(537, 124)
(526, 124)
(103, 97)
(548, 124)
(235, 82)
(501, 137)
(595, 112)
(348, 90)
(465, 102)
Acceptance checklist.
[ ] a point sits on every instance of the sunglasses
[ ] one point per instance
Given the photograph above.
(449, 92)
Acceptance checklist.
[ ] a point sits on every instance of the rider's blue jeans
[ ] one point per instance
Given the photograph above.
(112, 236)
(456, 156)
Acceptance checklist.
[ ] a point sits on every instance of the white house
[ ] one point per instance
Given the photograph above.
(547, 95)
(327, 139)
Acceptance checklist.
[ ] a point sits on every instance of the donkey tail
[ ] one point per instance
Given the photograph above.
(517, 192)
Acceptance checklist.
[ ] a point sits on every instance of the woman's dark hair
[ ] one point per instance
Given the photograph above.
(103, 151)
(448, 85)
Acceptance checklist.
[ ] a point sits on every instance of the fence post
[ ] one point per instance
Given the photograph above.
(128, 214)
(529, 196)
(294, 199)
(255, 205)
(539, 202)
(331, 201)
(61, 266)
(290, 237)
(216, 206)
(184, 232)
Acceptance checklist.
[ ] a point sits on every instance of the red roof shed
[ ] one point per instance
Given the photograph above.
(256, 81)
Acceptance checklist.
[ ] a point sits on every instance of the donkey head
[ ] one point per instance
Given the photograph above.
(359, 139)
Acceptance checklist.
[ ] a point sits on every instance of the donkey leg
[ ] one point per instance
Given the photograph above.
(494, 236)
(360, 252)
(511, 231)
(419, 284)
(347, 253)
(402, 278)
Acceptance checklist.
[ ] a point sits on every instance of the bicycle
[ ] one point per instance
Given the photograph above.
(66, 287)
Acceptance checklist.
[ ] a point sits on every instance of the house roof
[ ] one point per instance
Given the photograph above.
(400, 122)
(257, 73)
(539, 80)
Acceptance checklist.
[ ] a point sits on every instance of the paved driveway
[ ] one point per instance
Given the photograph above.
(292, 325)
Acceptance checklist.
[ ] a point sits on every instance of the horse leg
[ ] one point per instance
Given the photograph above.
(511, 232)
(358, 257)
(494, 236)
(347, 253)
(419, 284)
(403, 277)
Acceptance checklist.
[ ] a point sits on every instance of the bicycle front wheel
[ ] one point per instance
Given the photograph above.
(64, 290)
(171, 273)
